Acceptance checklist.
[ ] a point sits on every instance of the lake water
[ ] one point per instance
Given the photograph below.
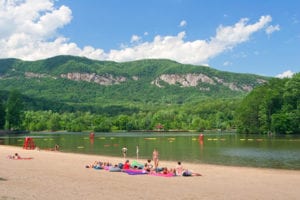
(225, 149)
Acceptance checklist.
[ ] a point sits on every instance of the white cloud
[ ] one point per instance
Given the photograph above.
(270, 29)
(195, 52)
(227, 63)
(29, 31)
(286, 74)
(135, 38)
(29, 28)
(183, 23)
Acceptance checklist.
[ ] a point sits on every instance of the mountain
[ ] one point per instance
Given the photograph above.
(76, 82)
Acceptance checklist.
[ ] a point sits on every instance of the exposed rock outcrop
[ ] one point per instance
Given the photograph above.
(106, 79)
(185, 80)
(37, 75)
(193, 80)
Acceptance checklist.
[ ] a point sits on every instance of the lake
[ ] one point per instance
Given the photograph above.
(282, 152)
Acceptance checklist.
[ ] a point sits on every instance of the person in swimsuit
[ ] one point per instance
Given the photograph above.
(124, 151)
(155, 158)
(179, 169)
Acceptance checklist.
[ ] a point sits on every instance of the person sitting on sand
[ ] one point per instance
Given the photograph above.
(106, 165)
(179, 169)
(148, 166)
(16, 156)
(165, 170)
(172, 171)
(126, 165)
(96, 163)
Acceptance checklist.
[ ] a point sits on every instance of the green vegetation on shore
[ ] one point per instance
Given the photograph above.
(272, 107)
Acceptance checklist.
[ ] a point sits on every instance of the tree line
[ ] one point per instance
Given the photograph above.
(164, 119)
(272, 107)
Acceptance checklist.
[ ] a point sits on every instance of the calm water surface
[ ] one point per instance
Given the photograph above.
(224, 149)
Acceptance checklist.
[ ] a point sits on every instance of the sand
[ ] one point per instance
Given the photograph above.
(58, 175)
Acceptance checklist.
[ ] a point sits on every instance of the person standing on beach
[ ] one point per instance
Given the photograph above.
(124, 151)
(155, 158)
(137, 152)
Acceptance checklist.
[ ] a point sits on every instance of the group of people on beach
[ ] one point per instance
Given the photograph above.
(146, 168)
(154, 154)
(15, 156)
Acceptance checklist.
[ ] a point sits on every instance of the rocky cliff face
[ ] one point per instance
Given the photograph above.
(187, 80)
(184, 80)
(106, 79)
(193, 80)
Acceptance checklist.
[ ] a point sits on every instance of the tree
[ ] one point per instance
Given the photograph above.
(2, 115)
(14, 110)
(247, 114)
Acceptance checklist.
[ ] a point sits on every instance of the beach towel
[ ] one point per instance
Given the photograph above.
(135, 172)
(162, 175)
(20, 158)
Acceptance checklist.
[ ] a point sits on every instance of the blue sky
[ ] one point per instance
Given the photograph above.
(244, 36)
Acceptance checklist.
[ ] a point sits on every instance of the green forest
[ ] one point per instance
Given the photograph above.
(69, 93)
(270, 107)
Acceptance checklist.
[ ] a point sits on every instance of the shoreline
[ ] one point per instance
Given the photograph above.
(168, 161)
(60, 175)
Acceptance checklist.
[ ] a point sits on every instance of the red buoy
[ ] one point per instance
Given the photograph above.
(201, 137)
(92, 135)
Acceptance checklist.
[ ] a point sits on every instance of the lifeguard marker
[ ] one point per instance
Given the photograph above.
(28, 143)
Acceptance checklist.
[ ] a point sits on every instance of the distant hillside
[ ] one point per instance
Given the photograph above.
(77, 82)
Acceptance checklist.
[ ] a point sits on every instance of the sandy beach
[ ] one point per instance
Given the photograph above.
(58, 175)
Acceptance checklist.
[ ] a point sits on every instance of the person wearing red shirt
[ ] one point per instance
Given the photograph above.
(126, 165)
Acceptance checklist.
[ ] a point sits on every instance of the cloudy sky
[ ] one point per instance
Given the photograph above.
(244, 36)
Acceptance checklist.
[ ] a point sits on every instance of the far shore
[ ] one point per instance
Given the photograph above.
(59, 175)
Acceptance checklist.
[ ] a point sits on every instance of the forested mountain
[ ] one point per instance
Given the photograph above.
(68, 83)
(272, 107)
